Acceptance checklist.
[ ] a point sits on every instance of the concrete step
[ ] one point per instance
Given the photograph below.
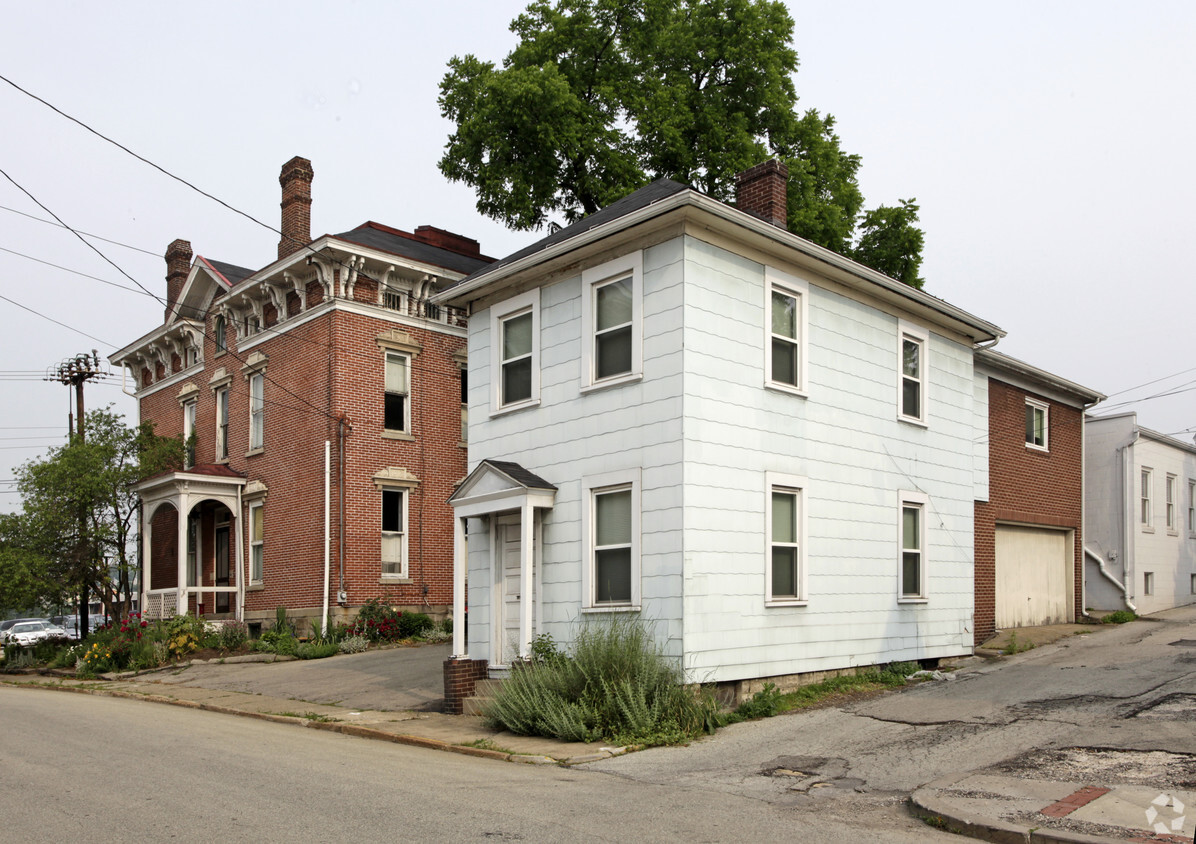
(486, 688)
(483, 692)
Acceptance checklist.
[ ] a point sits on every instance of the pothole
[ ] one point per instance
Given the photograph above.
(1176, 707)
(1107, 766)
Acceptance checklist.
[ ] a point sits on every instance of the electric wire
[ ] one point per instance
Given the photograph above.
(85, 234)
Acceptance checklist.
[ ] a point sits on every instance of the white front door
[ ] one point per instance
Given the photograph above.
(510, 562)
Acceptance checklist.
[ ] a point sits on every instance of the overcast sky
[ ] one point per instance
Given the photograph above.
(1049, 145)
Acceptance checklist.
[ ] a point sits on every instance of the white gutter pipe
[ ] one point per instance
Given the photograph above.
(1108, 576)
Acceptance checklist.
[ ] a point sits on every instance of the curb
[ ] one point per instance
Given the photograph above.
(354, 730)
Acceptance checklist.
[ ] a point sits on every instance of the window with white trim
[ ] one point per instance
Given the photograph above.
(257, 411)
(785, 573)
(1148, 583)
(192, 551)
(1169, 492)
(220, 334)
(1192, 507)
(1036, 424)
(222, 423)
(397, 393)
(911, 353)
(785, 332)
(257, 540)
(515, 352)
(189, 409)
(1145, 507)
(611, 521)
(612, 321)
(911, 574)
(394, 532)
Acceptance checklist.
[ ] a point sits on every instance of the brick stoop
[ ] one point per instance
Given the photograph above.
(483, 692)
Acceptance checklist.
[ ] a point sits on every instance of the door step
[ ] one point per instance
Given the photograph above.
(484, 692)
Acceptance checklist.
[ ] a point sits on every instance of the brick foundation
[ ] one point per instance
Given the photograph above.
(460, 679)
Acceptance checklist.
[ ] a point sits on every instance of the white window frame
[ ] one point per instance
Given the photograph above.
(775, 482)
(406, 359)
(1170, 490)
(220, 334)
(1034, 405)
(1191, 507)
(592, 487)
(257, 544)
(912, 333)
(193, 550)
(257, 412)
(190, 411)
(776, 281)
(909, 499)
(402, 533)
(222, 411)
(516, 306)
(1148, 583)
(1145, 498)
(626, 266)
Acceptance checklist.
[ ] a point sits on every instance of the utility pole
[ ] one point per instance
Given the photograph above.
(76, 372)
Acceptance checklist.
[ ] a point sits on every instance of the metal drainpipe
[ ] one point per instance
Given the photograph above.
(340, 437)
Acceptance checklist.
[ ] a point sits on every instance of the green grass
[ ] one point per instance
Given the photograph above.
(1016, 647)
(768, 701)
(487, 744)
(1119, 617)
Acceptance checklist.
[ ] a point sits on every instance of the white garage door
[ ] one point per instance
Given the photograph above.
(1034, 576)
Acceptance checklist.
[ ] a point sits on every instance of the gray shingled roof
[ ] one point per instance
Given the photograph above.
(520, 475)
(417, 250)
(232, 272)
(645, 196)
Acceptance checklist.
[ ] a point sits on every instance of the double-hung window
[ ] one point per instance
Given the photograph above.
(222, 423)
(1169, 491)
(611, 524)
(911, 353)
(256, 541)
(1145, 505)
(257, 411)
(785, 573)
(1036, 424)
(189, 434)
(1192, 507)
(220, 334)
(785, 332)
(394, 533)
(396, 403)
(612, 322)
(911, 573)
(515, 352)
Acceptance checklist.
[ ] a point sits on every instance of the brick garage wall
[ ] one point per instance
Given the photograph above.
(1027, 486)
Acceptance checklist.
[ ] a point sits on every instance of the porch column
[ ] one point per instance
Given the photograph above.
(527, 587)
(146, 562)
(460, 565)
(238, 555)
(181, 592)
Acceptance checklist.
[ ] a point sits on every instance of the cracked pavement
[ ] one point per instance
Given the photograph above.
(1131, 687)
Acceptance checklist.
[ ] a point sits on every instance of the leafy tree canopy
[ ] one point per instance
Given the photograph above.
(78, 522)
(602, 96)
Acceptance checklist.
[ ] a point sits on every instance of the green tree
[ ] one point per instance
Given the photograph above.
(24, 581)
(599, 97)
(890, 241)
(80, 506)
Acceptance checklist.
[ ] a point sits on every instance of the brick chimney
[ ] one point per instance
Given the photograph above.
(295, 179)
(178, 265)
(762, 191)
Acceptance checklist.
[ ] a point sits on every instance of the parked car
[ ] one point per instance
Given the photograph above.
(8, 624)
(31, 632)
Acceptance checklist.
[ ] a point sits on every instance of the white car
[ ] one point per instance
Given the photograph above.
(27, 633)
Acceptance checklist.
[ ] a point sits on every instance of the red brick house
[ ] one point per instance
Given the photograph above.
(1029, 510)
(323, 395)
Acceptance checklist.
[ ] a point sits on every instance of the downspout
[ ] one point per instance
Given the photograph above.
(1127, 543)
(342, 596)
(1109, 576)
(327, 528)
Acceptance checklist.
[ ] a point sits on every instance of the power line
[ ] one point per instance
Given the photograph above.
(87, 234)
(141, 292)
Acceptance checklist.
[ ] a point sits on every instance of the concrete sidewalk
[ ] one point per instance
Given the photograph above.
(455, 733)
(1006, 809)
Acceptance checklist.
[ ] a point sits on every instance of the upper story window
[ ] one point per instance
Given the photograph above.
(515, 352)
(1170, 494)
(252, 326)
(188, 434)
(1192, 507)
(397, 406)
(220, 334)
(912, 356)
(1036, 424)
(257, 411)
(1145, 506)
(222, 423)
(612, 322)
(785, 332)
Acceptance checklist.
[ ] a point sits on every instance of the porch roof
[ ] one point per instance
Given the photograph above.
(495, 486)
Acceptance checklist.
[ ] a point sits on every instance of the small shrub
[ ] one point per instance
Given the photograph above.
(447, 624)
(1119, 617)
(277, 643)
(1016, 647)
(282, 624)
(16, 657)
(354, 644)
(316, 650)
(411, 624)
(232, 635)
(434, 634)
(763, 704)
